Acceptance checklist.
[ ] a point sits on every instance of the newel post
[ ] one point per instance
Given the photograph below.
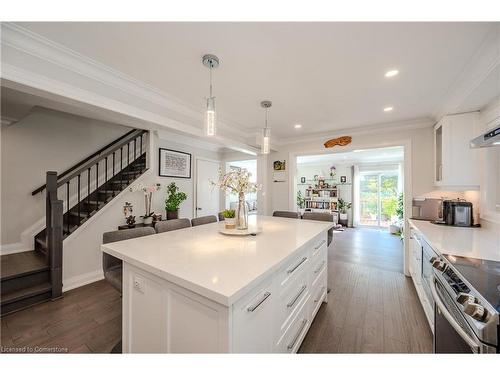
(54, 232)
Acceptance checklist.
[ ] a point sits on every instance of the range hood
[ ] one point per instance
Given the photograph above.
(488, 139)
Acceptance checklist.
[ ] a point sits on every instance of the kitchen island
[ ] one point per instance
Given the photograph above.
(196, 290)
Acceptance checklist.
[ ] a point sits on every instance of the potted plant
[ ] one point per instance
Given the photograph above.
(148, 191)
(229, 219)
(343, 206)
(173, 201)
(301, 201)
(130, 221)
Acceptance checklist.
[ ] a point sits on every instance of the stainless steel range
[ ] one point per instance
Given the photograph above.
(466, 292)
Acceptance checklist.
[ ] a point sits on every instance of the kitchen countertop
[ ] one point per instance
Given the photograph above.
(479, 243)
(219, 267)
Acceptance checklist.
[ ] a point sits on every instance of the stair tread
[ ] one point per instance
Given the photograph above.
(27, 262)
(25, 293)
(81, 214)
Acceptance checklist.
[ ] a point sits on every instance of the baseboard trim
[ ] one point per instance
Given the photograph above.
(13, 248)
(81, 280)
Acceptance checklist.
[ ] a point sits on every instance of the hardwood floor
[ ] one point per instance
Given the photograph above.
(372, 307)
(86, 320)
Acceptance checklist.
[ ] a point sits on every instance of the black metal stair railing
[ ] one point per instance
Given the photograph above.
(86, 188)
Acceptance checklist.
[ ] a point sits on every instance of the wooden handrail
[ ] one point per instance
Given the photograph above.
(94, 158)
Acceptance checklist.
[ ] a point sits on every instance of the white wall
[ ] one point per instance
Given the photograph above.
(420, 139)
(50, 140)
(42, 141)
(186, 185)
(82, 258)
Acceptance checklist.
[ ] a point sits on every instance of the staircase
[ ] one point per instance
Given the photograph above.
(35, 276)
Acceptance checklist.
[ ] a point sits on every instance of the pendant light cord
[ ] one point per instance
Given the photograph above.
(210, 80)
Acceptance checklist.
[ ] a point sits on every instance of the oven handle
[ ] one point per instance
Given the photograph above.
(473, 344)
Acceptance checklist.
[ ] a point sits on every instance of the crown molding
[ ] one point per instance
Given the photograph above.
(366, 129)
(61, 57)
(475, 72)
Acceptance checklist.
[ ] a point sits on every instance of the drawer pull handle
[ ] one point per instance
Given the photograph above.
(257, 304)
(297, 335)
(292, 302)
(320, 244)
(297, 265)
(320, 294)
(320, 267)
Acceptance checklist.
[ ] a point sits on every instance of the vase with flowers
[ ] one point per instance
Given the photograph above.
(238, 182)
(148, 191)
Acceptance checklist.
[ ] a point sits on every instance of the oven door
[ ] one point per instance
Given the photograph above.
(428, 257)
(452, 333)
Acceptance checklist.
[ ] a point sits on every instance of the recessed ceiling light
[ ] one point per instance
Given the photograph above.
(392, 73)
(388, 109)
(297, 126)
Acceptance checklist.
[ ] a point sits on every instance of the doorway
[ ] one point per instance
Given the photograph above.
(379, 191)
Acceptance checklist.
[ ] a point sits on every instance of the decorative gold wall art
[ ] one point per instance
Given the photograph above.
(340, 141)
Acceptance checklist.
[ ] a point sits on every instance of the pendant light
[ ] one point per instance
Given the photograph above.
(266, 132)
(211, 62)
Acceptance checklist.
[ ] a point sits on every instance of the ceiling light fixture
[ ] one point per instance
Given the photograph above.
(392, 73)
(211, 62)
(297, 126)
(388, 109)
(265, 146)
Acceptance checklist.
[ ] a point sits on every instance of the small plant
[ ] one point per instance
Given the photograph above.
(400, 208)
(229, 214)
(130, 220)
(343, 206)
(174, 197)
(301, 201)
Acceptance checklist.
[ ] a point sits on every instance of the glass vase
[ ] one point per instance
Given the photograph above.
(242, 213)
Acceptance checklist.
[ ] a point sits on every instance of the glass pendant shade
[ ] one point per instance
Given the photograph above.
(210, 118)
(266, 141)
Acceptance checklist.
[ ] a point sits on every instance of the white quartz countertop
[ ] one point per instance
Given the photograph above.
(480, 243)
(220, 267)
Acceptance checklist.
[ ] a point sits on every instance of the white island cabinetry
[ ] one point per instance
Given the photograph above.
(197, 291)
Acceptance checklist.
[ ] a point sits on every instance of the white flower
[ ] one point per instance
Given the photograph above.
(236, 182)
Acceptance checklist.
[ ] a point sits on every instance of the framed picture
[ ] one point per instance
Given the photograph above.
(279, 165)
(174, 164)
(343, 179)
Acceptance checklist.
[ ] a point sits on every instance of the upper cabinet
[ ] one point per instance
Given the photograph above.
(456, 164)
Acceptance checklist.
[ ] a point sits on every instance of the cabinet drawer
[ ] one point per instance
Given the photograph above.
(318, 264)
(290, 300)
(289, 272)
(318, 246)
(253, 320)
(318, 293)
(292, 338)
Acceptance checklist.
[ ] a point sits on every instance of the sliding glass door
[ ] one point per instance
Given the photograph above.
(378, 197)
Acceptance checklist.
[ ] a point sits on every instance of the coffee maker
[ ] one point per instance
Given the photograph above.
(457, 212)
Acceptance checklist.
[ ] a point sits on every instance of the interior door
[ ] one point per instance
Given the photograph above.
(207, 196)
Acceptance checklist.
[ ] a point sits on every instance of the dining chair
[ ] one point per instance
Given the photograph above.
(169, 225)
(288, 214)
(203, 220)
(321, 216)
(221, 216)
(112, 266)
